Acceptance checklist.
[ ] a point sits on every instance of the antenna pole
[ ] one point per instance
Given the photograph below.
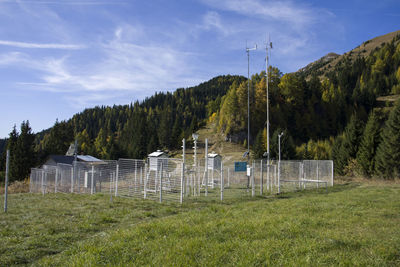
(248, 101)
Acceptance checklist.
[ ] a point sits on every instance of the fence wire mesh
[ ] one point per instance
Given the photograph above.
(168, 179)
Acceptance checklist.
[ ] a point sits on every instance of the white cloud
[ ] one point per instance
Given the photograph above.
(41, 46)
(276, 10)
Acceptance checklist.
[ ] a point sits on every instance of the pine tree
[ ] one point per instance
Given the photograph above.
(258, 147)
(349, 147)
(369, 144)
(24, 155)
(388, 152)
(336, 156)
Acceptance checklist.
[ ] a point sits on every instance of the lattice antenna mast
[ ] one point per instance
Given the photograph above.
(248, 99)
(267, 46)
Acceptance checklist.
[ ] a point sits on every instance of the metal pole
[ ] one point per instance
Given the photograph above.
(183, 169)
(161, 185)
(116, 180)
(279, 163)
(248, 102)
(72, 179)
(206, 167)
(92, 180)
(332, 174)
(262, 178)
(222, 181)
(145, 181)
(253, 186)
(6, 181)
(56, 180)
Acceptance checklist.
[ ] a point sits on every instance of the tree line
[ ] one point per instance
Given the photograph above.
(131, 131)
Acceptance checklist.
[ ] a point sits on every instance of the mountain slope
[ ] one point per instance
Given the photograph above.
(327, 63)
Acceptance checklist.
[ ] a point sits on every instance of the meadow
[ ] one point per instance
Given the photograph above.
(352, 224)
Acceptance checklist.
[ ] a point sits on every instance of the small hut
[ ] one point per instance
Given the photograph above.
(156, 159)
(214, 161)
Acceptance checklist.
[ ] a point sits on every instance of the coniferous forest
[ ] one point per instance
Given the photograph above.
(339, 114)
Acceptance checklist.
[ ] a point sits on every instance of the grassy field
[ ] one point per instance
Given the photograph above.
(351, 225)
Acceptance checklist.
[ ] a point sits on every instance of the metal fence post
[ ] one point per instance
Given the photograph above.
(279, 177)
(206, 167)
(146, 177)
(332, 173)
(182, 178)
(161, 181)
(6, 181)
(56, 180)
(42, 182)
(262, 178)
(92, 179)
(253, 187)
(229, 176)
(72, 179)
(222, 181)
(116, 179)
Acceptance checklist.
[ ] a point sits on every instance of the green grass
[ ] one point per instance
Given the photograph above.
(351, 225)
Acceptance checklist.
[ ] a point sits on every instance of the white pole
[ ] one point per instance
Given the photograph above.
(206, 167)
(279, 163)
(56, 180)
(116, 179)
(161, 184)
(183, 169)
(229, 174)
(253, 186)
(91, 181)
(317, 175)
(6, 181)
(72, 179)
(222, 181)
(332, 173)
(145, 181)
(43, 182)
(262, 177)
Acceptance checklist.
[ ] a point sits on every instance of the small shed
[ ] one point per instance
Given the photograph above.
(156, 159)
(214, 161)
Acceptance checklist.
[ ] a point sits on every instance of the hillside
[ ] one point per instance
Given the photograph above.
(327, 63)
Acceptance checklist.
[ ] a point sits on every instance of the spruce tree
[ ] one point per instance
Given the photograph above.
(349, 147)
(388, 153)
(336, 156)
(258, 147)
(369, 144)
(24, 155)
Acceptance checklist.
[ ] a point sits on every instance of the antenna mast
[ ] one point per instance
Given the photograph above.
(248, 101)
(268, 45)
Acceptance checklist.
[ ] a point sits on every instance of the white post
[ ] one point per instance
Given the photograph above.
(92, 180)
(145, 181)
(269, 183)
(116, 179)
(111, 184)
(6, 181)
(229, 178)
(253, 186)
(332, 173)
(221, 182)
(43, 182)
(279, 163)
(183, 161)
(206, 167)
(317, 175)
(182, 174)
(135, 185)
(161, 181)
(56, 180)
(72, 179)
(262, 178)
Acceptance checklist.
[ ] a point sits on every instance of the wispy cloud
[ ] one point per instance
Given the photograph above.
(41, 46)
(276, 10)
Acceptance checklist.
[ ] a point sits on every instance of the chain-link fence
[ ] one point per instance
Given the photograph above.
(168, 179)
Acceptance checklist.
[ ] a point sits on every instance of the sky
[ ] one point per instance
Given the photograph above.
(58, 57)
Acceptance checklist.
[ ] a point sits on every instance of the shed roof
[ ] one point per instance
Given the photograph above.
(156, 153)
(213, 155)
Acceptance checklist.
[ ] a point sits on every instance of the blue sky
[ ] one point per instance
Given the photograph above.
(58, 57)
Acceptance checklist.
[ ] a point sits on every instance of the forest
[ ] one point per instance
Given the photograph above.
(336, 115)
